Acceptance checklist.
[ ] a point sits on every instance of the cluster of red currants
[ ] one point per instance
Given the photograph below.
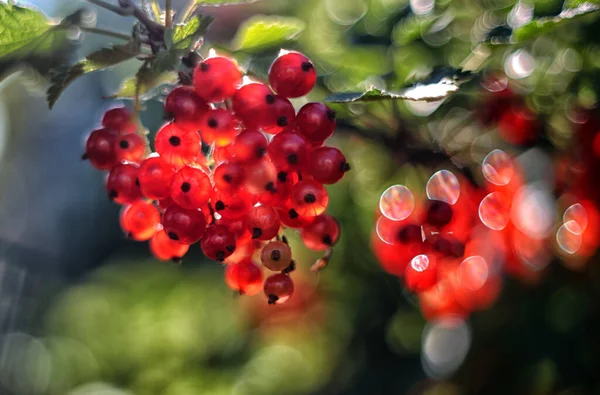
(235, 164)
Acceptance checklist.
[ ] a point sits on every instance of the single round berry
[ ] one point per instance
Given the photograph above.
(278, 288)
(184, 104)
(316, 122)
(328, 165)
(218, 242)
(183, 225)
(421, 274)
(250, 146)
(228, 175)
(100, 149)
(321, 234)
(167, 249)
(244, 277)
(219, 126)
(238, 227)
(280, 115)
(130, 147)
(122, 185)
(263, 222)
(260, 177)
(309, 198)
(290, 218)
(118, 119)
(232, 203)
(250, 104)
(191, 187)
(155, 177)
(177, 146)
(276, 256)
(439, 213)
(289, 151)
(140, 220)
(292, 75)
(216, 79)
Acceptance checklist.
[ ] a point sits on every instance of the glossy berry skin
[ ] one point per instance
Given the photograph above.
(155, 177)
(177, 146)
(322, 233)
(218, 242)
(130, 147)
(328, 165)
(278, 288)
(183, 225)
(219, 127)
(191, 188)
(122, 185)
(118, 119)
(421, 273)
(238, 227)
(292, 75)
(439, 213)
(232, 204)
(276, 256)
(165, 249)
(184, 104)
(228, 176)
(290, 217)
(224, 154)
(251, 104)
(289, 151)
(260, 177)
(244, 277)
(140, 220)
(316, 122)
(263, 222)
(216, 79)
(100, 149)
(309, 198)
(280, 115)
(250, 146)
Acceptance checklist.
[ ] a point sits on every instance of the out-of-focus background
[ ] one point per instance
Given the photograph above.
(85, 311)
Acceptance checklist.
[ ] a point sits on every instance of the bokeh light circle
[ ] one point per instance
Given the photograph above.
(494, 211)
(575, 218)
(473, 272)
(420, 263)
(532, 211)
(397, 203)
(497, 168)
(386, 230)
(568, 237)
(446, 343)
(444, 186)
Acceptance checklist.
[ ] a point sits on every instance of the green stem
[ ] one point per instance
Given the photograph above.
(168, 15)
(136, 116)
(107, 33)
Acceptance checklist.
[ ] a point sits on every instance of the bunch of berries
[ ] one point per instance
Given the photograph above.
(234, 166)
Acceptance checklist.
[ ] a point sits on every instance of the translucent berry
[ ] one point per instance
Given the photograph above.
(184, 104)
(140, 220)
(118, 119)
(165, 248)
(290, 217)
(439, 213)
(421, 273)
(216, 79)
(100, 149)
(309, 198)
(263, 222)
(251, 102)
(280, 115)
(278, 288)
(250, 146)
(228, 175)
(191, 187)
(183, 225)
(224, 154)
(316, 122)
(244, 277)
(177, 146)
(130, 147)
(155, 177)
(276, 256)
(232, 204)
(218, 242)
(260, 177)
(238, 227)
(321, 233)
(519, 126)
(219, 126)
(289, 151)
(328, 165)
(122, 185)
(292, 75)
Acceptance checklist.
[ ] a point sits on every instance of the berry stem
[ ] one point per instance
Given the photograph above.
(322, 262)
(188, 11)
(168, 14)
(108, 33)
(136, 116)
(128, 8)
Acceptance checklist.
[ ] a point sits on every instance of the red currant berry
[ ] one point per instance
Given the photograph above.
(276, 256)
(165, 249)
(218, 242)
(232, 204)
(177, 146)
(446, 245)
(292, 75)
(309, 198)
(280, 115)
(130, 147)
(183, 225)
(123, 185)
(184, 104)
(250, 146)
(220, 127)
(118, 119)
(421, 273)
(100, 149)
(228, 175)
(278, 288)
(290, 218)
(250, 104)
(289, 151)
(244, 277)
(224, 154)
(321, 233)
(263, 222)
(238, 227)
(328, 165)
(191, 188)
(163, 204)
(518, 126)
(155, 177)
(140, 220)
(316, 122)
(439, 213)
(260, 177)
(216, 79)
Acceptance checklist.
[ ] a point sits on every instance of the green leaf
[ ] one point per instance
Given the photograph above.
(149, 88)
(439, 85)
(218, 3)
(185, 37)
(106, 57)
(262, 32)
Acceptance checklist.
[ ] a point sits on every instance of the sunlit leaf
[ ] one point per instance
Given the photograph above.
(218, 3)
(149, 86)
(185, 37)
(262, 32)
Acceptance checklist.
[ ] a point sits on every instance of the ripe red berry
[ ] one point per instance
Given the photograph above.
(123, 185)
(118, 119)
(177, 146)
(184, 104)
(438, 213)
(518, 126)
(219, 126)
(155, 177)
(218, 242)
(278, 288)
(183, 225)
(238, 227)
(228, 175)
(140, 220)
(316, 122)
(276, 256)
(232, 204)
(280, 115)
(290, 217)
(321, 233)
(130, 147)
(100, 149)
(421, 273)
(191, 187)
(165, 249)
(224, 154)
(216, 79)
(289, 151)
(328, 165)
(250, 146)
(263, 222)
(260, 177)
(309, 198)
(292, 75)
(244, 277)
(251, 102)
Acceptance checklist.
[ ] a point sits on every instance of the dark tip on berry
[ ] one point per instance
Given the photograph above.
(185, 187)
(344, 167)
(282, 176)
(174, 141)
(219, 205)
(137, 182)
(173, 236)
(273, 299)
(293, 214)
(327, 240)
(124, 144)
(256, 233)
(275, 255)
(212, 123)
(292, 159)
(230, 248)
(84, 157)
(220, 256)
(260, 152)
(331, 115)
(282, 121)
(310, 198)
(270, 187)
(227, 178)
(270, 99)
(291, 267)
(112, 194)
(307, 66)
(204, 66)
(176, 259)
